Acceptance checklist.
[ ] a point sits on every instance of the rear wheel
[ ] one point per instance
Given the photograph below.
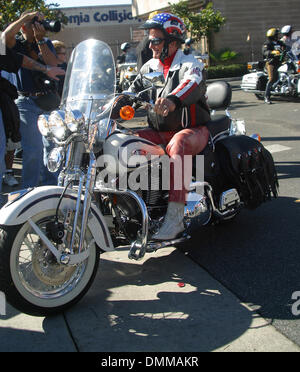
(30, 276)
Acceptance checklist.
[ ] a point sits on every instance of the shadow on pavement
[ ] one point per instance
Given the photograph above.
(257, 256)
(140, 307)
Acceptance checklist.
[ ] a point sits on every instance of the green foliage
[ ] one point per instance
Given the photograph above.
(223, 56)
(200, 24)
(222, 71)
(11, 10)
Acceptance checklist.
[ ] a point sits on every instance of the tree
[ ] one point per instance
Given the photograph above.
(201, 24)
(10, 10)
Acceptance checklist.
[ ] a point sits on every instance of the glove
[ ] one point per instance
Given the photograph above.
(275, 52)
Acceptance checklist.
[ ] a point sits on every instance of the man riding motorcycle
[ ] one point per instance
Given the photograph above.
(180, 113)
(271, 51)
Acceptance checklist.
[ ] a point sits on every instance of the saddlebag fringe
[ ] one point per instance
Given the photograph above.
(249, 167)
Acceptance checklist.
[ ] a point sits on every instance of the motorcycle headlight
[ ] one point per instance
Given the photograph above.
(43, 125)
(56, 124)
(55, 159)
(74, 119)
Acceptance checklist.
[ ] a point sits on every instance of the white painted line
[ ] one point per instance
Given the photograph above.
(277, 148)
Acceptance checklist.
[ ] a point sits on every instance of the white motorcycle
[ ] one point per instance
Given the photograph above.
(52, 237)
(127, 72)
(288, 81)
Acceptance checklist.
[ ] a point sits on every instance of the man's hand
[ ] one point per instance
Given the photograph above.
(39, 31)
(28, 17)
(163, 106)
(53, 71)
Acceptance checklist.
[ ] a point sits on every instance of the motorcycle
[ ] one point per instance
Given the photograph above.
(287, 84)
(127, 72)
(52, 236)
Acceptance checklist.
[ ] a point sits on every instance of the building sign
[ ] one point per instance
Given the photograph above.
(95, 16)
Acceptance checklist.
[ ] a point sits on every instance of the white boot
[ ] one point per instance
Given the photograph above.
(173, 223)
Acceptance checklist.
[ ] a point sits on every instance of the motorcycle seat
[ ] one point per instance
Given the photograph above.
(219, 125)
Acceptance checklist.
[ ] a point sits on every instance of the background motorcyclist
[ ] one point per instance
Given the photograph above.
(188, 49)
(286, 33)
(272, 52)
(180, 113)
(122, 57)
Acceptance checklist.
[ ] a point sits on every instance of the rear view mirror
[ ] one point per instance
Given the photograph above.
(155, 78)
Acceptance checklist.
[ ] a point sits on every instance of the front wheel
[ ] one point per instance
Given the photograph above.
(31, 278)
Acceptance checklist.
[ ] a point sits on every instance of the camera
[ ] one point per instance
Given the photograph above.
(52, 26)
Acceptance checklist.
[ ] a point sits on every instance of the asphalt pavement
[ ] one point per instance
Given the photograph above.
(190, 300)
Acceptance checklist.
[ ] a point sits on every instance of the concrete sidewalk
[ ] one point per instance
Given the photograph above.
(140, 306)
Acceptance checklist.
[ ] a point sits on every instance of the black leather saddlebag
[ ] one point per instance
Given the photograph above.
(247, 166)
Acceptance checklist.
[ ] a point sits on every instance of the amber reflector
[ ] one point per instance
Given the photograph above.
(127, 113)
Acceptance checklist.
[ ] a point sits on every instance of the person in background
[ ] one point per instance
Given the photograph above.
(11, 146)
(12, 62)
(61, 53)
(121, 59)
(272, 51)
(124, 50)
(188, 49)
(33, 44)
(286, 33)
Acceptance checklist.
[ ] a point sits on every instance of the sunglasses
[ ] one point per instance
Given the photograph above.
(156, 41)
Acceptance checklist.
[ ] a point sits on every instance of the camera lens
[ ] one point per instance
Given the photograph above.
(52, 26)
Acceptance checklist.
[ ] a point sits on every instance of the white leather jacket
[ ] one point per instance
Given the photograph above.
(185, 86)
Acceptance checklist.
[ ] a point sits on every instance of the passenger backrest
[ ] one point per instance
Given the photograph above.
(219, 95)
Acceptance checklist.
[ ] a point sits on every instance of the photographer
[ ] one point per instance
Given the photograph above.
(36, 97)
(10, 63)
(9, 121)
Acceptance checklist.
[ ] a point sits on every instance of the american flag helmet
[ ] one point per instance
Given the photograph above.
(169, 23)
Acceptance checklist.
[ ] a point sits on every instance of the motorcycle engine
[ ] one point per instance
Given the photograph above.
(283, 78)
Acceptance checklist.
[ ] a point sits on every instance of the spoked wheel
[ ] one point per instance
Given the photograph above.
(30, 276)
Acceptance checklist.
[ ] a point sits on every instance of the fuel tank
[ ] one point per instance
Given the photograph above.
(124, 153)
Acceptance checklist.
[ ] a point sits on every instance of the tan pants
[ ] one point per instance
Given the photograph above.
(272, 70)
(272, 76)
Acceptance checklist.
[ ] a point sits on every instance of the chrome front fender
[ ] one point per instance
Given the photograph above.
(33, 201)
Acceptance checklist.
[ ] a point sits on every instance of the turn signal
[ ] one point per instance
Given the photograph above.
(298, 67)
(256, 136)
(127, 113)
